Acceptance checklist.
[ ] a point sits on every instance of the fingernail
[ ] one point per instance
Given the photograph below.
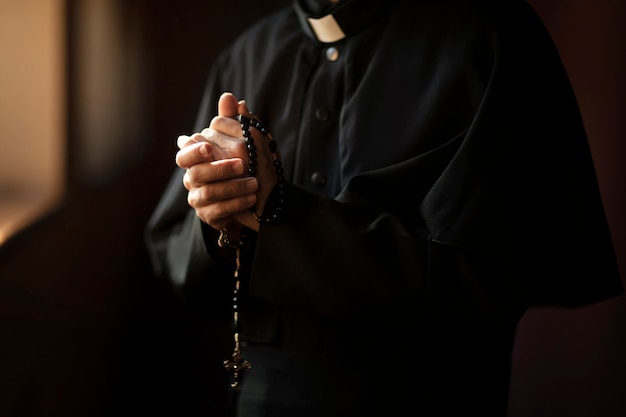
(239, 167)
(204, 151)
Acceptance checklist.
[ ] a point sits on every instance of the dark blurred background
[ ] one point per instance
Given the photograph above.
(85, 328)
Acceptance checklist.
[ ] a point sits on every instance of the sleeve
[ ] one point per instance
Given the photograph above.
(353, 263)
(176, 238)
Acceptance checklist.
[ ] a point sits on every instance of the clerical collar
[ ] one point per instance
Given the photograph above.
(341, 20)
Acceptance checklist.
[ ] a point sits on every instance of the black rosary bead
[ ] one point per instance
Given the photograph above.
(246, 122)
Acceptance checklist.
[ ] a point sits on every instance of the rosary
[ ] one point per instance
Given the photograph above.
(231, 237)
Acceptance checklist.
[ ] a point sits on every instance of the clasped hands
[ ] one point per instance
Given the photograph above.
(216, 163)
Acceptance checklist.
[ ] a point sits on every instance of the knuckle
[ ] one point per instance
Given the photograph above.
(213, 213)
(197, 175)
(202, 195)
(186, 181)
(214, 120)
(180, 159)
(191, 199)
(197, 197)
(192, 174)
(197, 137)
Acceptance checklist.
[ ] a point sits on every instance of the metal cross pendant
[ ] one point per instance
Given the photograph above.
(236, 365)
(231, 238)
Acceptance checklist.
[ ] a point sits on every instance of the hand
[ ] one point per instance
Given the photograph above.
(216, 163)
(225, 124)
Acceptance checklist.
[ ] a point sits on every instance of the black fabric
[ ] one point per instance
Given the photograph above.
(460, 191)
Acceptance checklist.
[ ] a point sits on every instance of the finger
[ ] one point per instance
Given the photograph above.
(216, 214)
(225, 126)
(185, 140)
(214, 193)
(220, 170)
(227, 105)
(194, 154)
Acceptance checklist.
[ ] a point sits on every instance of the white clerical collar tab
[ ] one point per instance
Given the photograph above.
(326, 29)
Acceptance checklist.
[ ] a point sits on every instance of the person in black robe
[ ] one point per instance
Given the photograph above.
(437, 183)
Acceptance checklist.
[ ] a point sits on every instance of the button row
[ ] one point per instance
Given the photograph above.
(318, 178)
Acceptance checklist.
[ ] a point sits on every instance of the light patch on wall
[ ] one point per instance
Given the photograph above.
(107, 91)
(32, 111)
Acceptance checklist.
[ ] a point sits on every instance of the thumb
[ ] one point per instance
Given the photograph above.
(227, 105)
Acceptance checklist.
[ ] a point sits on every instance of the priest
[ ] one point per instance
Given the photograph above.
(375, 194)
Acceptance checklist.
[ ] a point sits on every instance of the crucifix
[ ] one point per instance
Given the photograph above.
(237, 364)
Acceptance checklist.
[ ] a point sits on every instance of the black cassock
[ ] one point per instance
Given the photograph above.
(440, 183)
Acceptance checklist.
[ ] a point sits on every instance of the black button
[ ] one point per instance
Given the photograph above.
(318, 179)
(322, 114)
